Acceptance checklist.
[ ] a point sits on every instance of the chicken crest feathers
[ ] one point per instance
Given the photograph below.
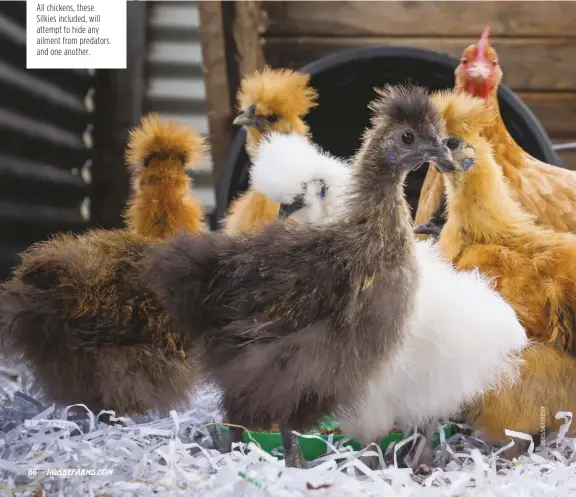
(155, 139)
(463, 114)
(284, 91)
(399, 104)
(284, 162)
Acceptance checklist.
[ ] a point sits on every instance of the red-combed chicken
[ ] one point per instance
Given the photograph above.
(270, 100)
(546, 191)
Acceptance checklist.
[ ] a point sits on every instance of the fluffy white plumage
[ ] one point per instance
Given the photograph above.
(464, 338)
(288, 165)
(462, 342)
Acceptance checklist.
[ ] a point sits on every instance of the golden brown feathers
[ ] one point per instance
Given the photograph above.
(162, 203)
(464, 115)
(281, 91)
(77, 309)
(156, 140)
(287, 95)
(547, 386)
(90, 330)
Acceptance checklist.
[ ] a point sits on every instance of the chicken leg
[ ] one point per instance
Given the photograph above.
(292, 454)
(235, 435)
(424, 453)
(421, 452)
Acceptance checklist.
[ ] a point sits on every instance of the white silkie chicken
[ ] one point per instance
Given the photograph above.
(464, 339)
(306, 181)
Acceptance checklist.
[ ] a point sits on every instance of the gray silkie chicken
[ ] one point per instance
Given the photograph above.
(297, 319)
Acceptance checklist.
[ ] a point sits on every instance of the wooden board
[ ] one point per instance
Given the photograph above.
(231, 47)
(359, 18)
(556, 112)
(219, 95)
(528, 64)
(246, 32)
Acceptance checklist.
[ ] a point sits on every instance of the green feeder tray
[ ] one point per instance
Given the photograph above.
(313, 448)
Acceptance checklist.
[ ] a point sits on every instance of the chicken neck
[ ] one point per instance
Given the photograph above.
(506, 151)
(480, 205)
(159, 206)
(378, 219)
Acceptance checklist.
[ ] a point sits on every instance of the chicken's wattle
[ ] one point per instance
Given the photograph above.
(478, 90)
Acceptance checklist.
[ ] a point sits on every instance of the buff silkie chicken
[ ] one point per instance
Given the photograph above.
(487, 228)
(296, 319)
(463, 339)
(77, 312)
(162, 204)
(533, 267)
(269, 100)
(545, 191)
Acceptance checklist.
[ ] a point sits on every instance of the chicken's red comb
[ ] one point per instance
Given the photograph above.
(482, 44)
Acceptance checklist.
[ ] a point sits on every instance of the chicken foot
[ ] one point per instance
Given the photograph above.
(214, 431)
(292, 453)
(373, 462)
(421, 450)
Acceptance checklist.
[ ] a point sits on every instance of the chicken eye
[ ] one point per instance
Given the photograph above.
(453, 143)
(408, 138)
(464, 61)
(272, 118)
(494, 62)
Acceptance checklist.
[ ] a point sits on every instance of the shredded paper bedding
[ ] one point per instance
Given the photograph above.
(46, 453)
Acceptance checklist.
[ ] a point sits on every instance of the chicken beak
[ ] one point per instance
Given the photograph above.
(257, 122)
(244, 120)
(286, 210)
(441, 158)
(248, 118)
(479, 72)
(478, 79)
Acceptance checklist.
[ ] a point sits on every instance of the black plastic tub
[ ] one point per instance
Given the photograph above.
(345, 82)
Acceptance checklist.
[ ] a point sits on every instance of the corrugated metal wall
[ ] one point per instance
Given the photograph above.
(44, 144)
(175, 86)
